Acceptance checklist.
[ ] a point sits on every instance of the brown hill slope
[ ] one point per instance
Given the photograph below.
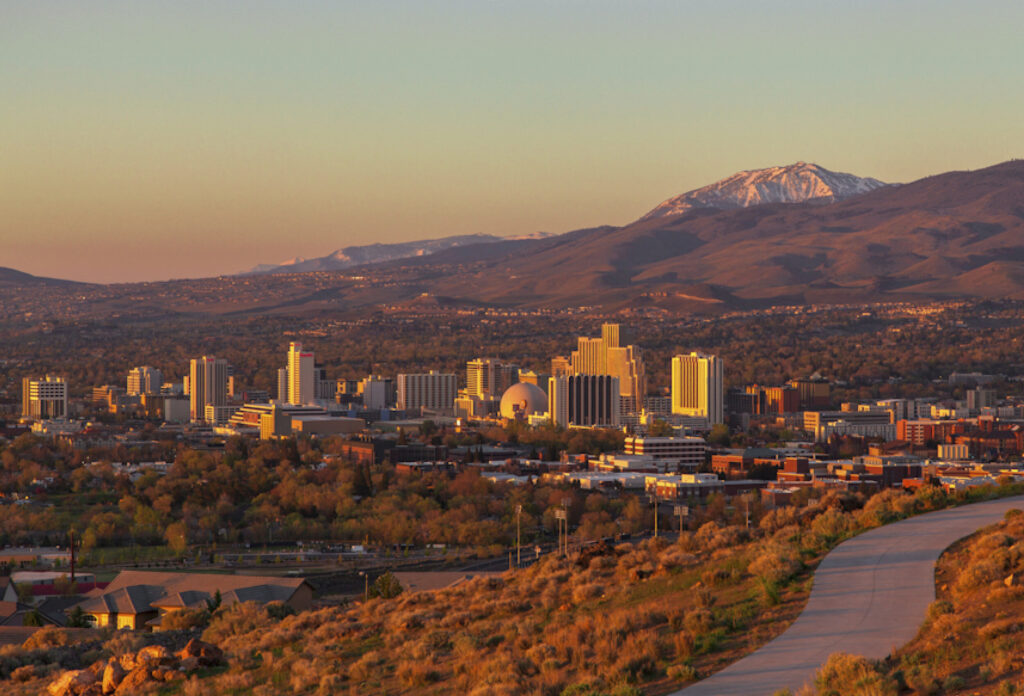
(960, 233)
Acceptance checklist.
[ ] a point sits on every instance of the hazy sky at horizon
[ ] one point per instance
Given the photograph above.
(159, 139)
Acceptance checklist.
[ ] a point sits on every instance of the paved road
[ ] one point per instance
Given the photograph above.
(870, 597)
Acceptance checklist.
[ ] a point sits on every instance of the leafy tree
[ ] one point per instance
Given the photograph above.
(386, 586)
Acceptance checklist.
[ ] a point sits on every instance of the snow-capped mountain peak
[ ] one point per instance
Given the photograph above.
(795, 183)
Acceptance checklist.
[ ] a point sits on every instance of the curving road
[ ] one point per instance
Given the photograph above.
(870, 596)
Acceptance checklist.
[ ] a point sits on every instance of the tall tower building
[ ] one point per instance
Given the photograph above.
(144, 380)
(584, 400)
(44, 398)
(301, 375)
(282, 385)
(588, 358)
(488, 377)
(611, 355)
(627, 363)
(208, 385)
(697, 386)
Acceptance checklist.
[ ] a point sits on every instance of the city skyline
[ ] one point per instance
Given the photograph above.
(142, 132)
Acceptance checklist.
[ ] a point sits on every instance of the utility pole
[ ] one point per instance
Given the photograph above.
(654, 499)
(519, 514)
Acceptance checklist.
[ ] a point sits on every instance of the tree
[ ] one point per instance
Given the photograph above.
(78, 618)
(386, 586)
(177, 537)
(33, 618)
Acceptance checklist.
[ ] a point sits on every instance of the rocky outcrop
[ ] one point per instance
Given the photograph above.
(128, 673)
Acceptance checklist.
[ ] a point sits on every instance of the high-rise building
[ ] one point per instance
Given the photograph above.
(301, 375)
(697, 386)
(208, 385)
(44, 398)
(144, 380)
(610, 355)
(489, 378)
(627, 364)
(588, 358)
(589, 400)
(282, 385)
(561, 366)
(435, 391)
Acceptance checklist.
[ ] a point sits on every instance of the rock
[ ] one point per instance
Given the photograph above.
(127, 662)
(190, 664)
(154, 654)
(73, 683)
(1011, 580)
(112, 676)
(132, 681)
(207, 653)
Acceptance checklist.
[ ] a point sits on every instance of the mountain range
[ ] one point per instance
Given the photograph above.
(779, 236)
(954, 234)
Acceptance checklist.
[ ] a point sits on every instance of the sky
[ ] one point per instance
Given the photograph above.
(152, 139)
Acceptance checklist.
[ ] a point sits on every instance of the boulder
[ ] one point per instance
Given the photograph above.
(127, 662)
(112, 676)
(154, 654)
(207, 653)
(132, 681)
(72, 683)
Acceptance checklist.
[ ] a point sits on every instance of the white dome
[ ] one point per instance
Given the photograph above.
(523, 399)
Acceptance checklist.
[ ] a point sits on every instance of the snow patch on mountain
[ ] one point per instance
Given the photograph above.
(795, 183)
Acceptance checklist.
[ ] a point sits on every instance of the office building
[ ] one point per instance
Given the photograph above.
(586, 400)
(489, 378)
(697, 387)
(609, 355)
(44, 398)
(282, 385)
(301, 375)
(144, 380)
(588, 358)
(434, 391)
(561, 366)
(378, 392)
(208, 385)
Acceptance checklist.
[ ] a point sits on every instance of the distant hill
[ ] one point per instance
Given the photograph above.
(11, 278)
(350, 256)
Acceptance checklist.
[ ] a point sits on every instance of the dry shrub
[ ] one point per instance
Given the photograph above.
(24, 673)
(330, 684)
(367, 665)
(852, 675)
(712, 536)
(415, 673)
(236, 622)
(50, 637)
(303, 675)
(888, 506)
(776, 562)
(831, 525)
(683, 644)
(185, 619)
(699, 621)
(675, 557)
(637, 657)
(124, 642)
(683, 673)
(778, 518)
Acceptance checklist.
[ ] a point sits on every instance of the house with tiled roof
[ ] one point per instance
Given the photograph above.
(138, 599)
